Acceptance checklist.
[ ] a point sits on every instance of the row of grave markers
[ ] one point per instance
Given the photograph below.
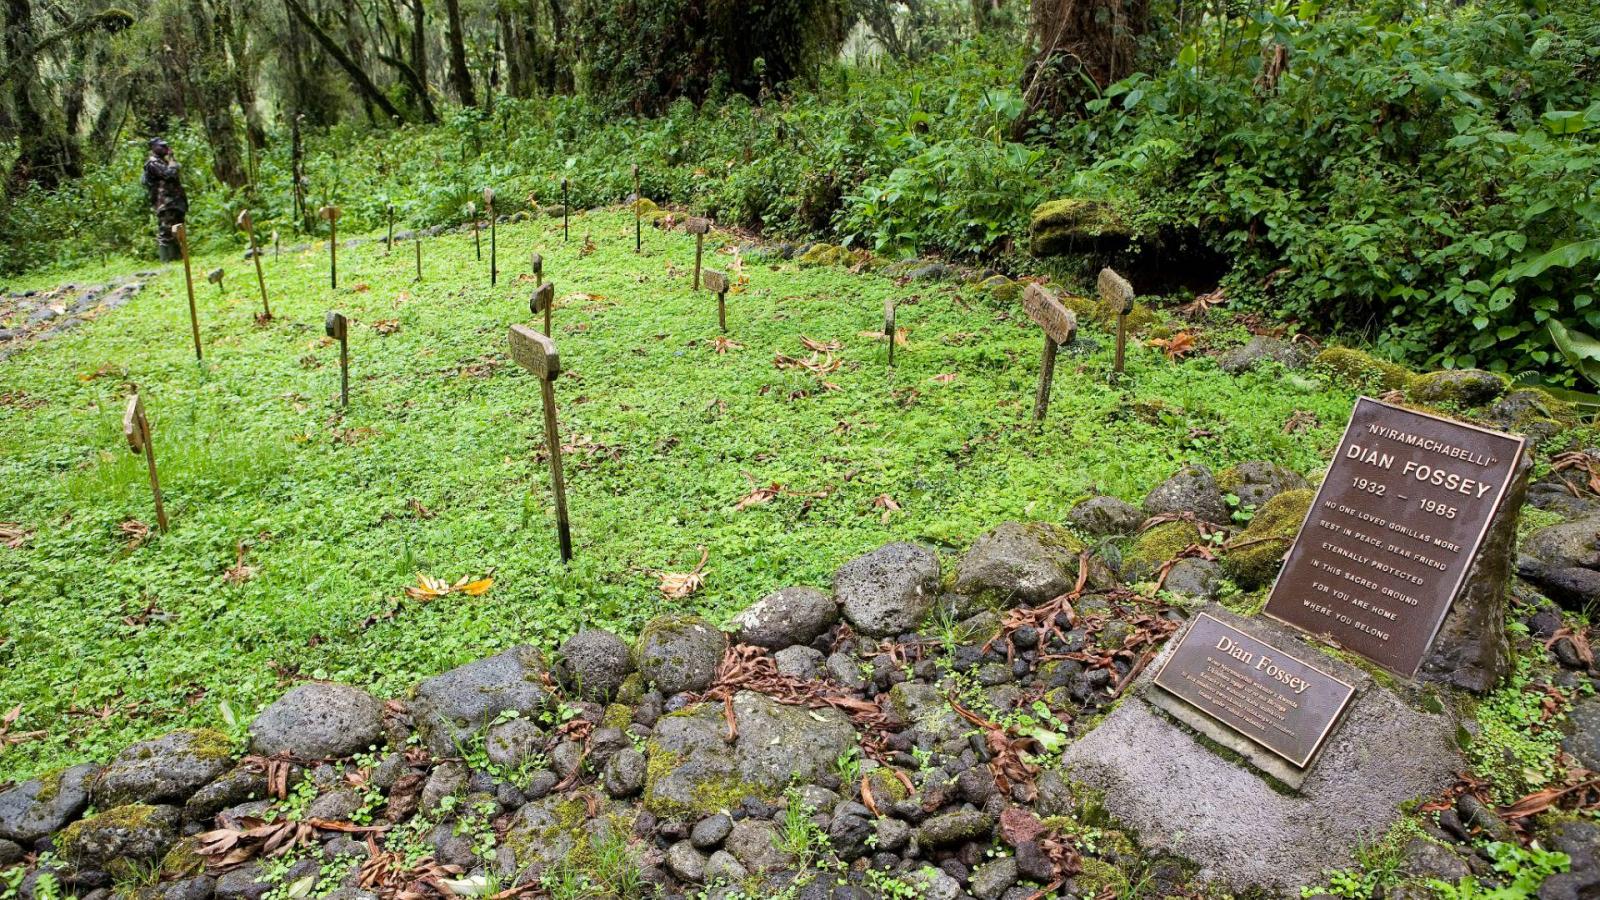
(1058, 323)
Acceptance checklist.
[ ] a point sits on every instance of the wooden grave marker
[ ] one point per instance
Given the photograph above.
(417, 241)
(215, 277)
(537, 353)
(888, 325)
(1117, 293)
(638, 199)
(331, 213)
(698, 227)
(248, 226)
(136, 428)
(338, 328)
(488, 210)
(181, 232)
(1060, 326)
(717, 283)
(566, 210)
(388, 246)
(536, 265)
(543, 302)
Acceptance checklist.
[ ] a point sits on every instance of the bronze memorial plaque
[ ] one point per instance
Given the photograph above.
(1392, 532)
(1270, 697)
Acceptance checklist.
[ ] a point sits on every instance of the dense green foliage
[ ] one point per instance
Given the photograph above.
(1421, 179)
(664, 436)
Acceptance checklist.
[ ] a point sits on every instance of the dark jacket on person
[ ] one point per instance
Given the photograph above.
(165, 188)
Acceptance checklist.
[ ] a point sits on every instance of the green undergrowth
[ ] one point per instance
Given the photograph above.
(434, 467)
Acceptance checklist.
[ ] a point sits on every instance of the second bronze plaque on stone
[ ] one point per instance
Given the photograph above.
(1280, 702)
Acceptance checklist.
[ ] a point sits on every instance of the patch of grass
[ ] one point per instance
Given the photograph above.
(665, 436)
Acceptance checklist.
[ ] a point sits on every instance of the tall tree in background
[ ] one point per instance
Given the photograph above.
(1081, 46)
(460, 75)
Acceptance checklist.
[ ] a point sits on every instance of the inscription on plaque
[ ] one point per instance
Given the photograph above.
(1270, 697)
(1392, 532)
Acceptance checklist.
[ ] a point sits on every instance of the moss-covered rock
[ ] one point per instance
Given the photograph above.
(1019, 562)
(119, 838)
(1001, 288)
(1464, 388)
(1253, 557)
(1363, 371)
(647, 210)
(166, 769)
(1076, 224)
(1152, 549)
(824, 255)
(679, 653)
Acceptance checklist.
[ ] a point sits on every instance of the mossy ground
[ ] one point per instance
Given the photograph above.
(433, 467)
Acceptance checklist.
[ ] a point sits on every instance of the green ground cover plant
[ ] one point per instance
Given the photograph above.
(434, 468)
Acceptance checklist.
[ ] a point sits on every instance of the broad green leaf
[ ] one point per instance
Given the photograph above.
(1581, 350)
(1566, 256)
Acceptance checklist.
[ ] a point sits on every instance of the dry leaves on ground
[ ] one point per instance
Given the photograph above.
(943, 378)
(817, 364)
(13, 535)
(887, 504)
(134, 532)
(386, 326)
(239, 573)
(1580, 463)
(821, 346)
(724, 344)
(9, 737)
(431, 588)
(900, 336)
(1176, 347)
(678, 585)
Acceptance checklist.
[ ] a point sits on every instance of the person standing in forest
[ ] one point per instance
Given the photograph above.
(167, 198)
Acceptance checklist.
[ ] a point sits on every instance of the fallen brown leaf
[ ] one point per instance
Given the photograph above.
(678, 585)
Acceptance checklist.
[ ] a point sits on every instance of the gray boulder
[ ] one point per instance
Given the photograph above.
(693, 773)
(624, 773)
(1583, 732)
(1256, 482)
(167, 769)
(956, 827)
(754, 843)
(511, 742)
(1260, 349)
(1020, 564)
(804, 663)
(679, 653)
(41, 807)
(1460, 387)
(889, 590)
(687, 863)
(450, 708)
(594, 663)
(1563, 561)
(794, 615)
(1196, 579)
(235, 787)
(1104, 516)
(248, 882)
(1193, 489)
(119, 836)
(990, 880)
(318, 721)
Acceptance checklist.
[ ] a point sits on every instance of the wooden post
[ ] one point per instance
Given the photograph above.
(215, 277)
(566, 210)
(244, 221)
(277, 246)
(136, 428)
(388, 246)
(698, 227)
(1060, 326)
(1117, 293)
(637, 198)
(488, 210)
(888, 325)
(717, 283)
(331, 213)
(536, 265)
(537, 353)
(543, 302)
(338, 328)
(477, 242)
(181, 232)
(418, 242)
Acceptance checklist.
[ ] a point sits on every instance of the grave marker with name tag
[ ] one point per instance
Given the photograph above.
(338, 327)
(1060, 326)
(248, 226)
(181, 232)
(1118, 294)
(1392, 532)
(543, 302)
(698, 227)
(1274, 699)
(717, 283)
(136, 429)
(888, 325)
(537, 353)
